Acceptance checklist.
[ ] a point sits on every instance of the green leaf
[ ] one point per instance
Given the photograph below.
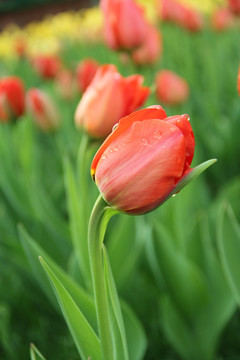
(81, 298)
(116, 319)
(228, 236)
(193, 174)
(136, 337)
(184, 280)
(35, 353)
(84, 336)
(78, 221)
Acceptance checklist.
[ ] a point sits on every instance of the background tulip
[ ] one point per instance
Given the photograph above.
(66, 84)
(170, 88)
(42, 109)
(125, 26)
(222, 19)
(234, 6)
(12, 100)
(86, 71)
(47, 66)
(151, 48)
(142, 160)
(108, 98)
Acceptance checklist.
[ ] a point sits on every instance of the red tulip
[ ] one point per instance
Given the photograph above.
(20, 47)
(12, 102)
(234, 5)
(86, 71)
(65, 84)
(188, 18)
(125, 26)
(151, 48)
(47, 66)
(143, 159)
(108, 98)
(238, 81)
(171, 89)
(42, 109)
(222, 19)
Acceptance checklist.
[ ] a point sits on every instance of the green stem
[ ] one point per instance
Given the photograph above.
(100, 216)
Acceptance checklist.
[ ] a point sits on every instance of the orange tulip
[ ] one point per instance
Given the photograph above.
(109, 97)
(12, 102)
(171, 89)
(143, 159)
(151, 48)
(125, 26)
(42, 109)
(86, 71)
(47, 66)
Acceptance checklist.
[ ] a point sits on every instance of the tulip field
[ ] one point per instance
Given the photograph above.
(120, 183)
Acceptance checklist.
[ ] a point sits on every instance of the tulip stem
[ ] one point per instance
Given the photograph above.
(99, 219)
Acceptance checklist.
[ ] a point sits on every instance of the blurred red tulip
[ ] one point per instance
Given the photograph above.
(238, 81)
(42, 109)
(125, 26)
(108, 98)
(65, 84)
(86, 71)
(12, 98)
(222, 19)
(151, 48)
(188, 18)
(143, 159)
(47, 66)
(234, 5)
(171, 89)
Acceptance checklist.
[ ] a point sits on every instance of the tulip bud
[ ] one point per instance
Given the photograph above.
(107, 99)
(86, 71)
(12, 102)
(42, 109)
(151, 48)
(47, 66)
(143, 159)
(171, 89)
(125, 26)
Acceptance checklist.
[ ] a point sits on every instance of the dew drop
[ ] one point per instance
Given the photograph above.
(114, 127)
(164, 146)
(172, 128)
(123, 144)
(111, 150)
(145, 141)
(173, 195)
(157, 134)
(115, 148)
(103, 157)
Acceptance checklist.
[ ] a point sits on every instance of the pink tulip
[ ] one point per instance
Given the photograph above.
(222, 19)
(86, 71)
(171, 89)
(125, 26)
(109, 97)
(185, 16)
(12, 102)
(151, 48)
(42, 109)
(66, 84)
(143, 159)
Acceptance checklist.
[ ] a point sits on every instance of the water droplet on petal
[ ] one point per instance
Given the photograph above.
(111, 150)
(103, 157)
(145, 141)
(173, 195)
(157, 134)
(172, 128)
(164, 146)
(115, 148)
(123, 143)
(114, 127)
